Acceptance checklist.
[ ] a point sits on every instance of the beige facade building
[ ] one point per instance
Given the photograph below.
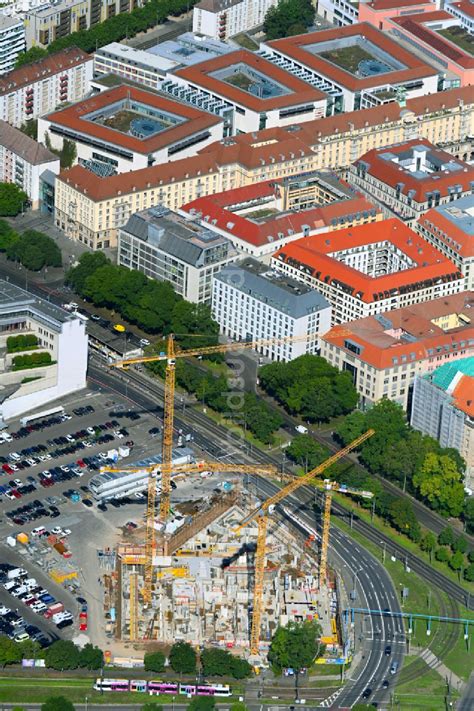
(90, 209)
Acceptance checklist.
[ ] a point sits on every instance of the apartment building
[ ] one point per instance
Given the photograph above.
(386, 352)
(36, 89)
(369, 269)
(127, 128)
(23, 161)
(357, 65)
(261, 218)
(450, 228)
(222, 19)
(250, 302)
(410, 178)
(378, 12)
(443, 408)
(90, 209)
(339, 12)
(12, 42)
(165, 246)
(59, 333)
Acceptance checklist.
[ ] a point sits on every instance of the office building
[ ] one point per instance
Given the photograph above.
(35, 89)
(339, 12)
(12, 42)
(58, 332)
(443, 408)
(126, 128)
(167, 247)
(250, 302)
(23, 161)
(408, 179)
(378, 12)
(369, 269)
(222, 19)
(386, 352)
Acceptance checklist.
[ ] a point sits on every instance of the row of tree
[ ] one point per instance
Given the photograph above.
(213, 662)
(152, 305)
(289, 17)
(115, 29)
(12, 200)
(197, 703)
(34, 250)
(31, 360)
(310, 387)
(405, 456)
(22, 342)
(60, 655)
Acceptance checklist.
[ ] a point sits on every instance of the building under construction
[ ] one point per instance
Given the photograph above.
(203, 587)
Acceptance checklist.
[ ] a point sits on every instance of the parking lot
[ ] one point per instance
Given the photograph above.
(45, 496)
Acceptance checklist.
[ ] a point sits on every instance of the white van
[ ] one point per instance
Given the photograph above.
(301, 429)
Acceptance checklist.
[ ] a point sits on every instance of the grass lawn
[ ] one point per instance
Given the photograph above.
(347, 58)
(246, 42)
(261, 214)
(240, 80)
(459, 36)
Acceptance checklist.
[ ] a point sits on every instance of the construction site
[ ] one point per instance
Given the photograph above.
(227, 569)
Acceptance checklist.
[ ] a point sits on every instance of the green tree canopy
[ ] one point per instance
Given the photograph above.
(288, 17)
(439, 481)
(151, 706)
(202, 703)
(154, 661)
(446, 537)
(469, 573)
(35, 250)
(304, 450)
(457, 561)
(12, 200)
(220, 662)
(57, 703)
(8, 236)
(468, 514)
(460, 544)
(31, 55)
(10, 651)
(428, 543)
(297, 645)
(91, 657)
(62, 654)
(182, 658)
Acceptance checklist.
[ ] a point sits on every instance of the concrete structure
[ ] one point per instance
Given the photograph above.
(12, 42)
(249, 302)
(358, 65)
(167, 247)
(59, 333)
(408, 179)
(443, 407)
(35, 89)
(464, 11)
(91, 209)
(258, 93)
(127, 128)
(261, 218)
(450, 228)
(151, 66)
(339, 12)
(121, 484)
(23, 160)
(369, 269)
(438, 37)
(378, 12)
(387, 351)
(222, 19)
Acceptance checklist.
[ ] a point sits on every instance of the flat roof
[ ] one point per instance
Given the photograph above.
(13, 298)
(137, 57)
(418, 337)
(204, 75)
(75, 118)
(314, 255)
(190, 48)
(298, 49)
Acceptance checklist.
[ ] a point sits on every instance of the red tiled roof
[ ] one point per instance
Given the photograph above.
(75, 118)
(448, 232)
(294, 47)
(200, 75)
(395, 4)
(42, 69)
(441, 100)
(465, 6)
(379, 347)
(392, 174)
(415, 25)
(463, 395)
(313, 252)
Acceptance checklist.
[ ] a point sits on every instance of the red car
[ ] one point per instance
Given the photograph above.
(16, 493)
(81, 463)
(7, 469)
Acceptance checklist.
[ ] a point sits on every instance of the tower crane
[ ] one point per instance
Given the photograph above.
(168, 421)
(260, 514)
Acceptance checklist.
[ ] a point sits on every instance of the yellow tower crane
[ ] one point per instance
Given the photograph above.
(166, 466)
(133, 607)
(261, 515)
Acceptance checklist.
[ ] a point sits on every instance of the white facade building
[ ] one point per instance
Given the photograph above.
(35, 89)
(58, 332)
(12, 42)
(339, 12)
(251, 302)
(23, 160)
(225, 18)
(165, 246)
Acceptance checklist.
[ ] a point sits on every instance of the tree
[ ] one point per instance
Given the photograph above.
(10, 651)
(460, 545)
(35, 250)
(30, 128)
(446, 537)
(297, 645)
(403, 518)
(34, 54)
(62, 654)
(439, 481)
(8, 236)
(457, 561)
(202, 703)
(182, 658)
(469, 573)
(220, 662)
(154, 661)
(240, 668)
(442, 554)
(91, 657)
(468, 514)
(57, 703)
(68, 154)
(152, 706)
(306, 451)
(289, 15)
(12, 199)
(428, 543)
(89, 262)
